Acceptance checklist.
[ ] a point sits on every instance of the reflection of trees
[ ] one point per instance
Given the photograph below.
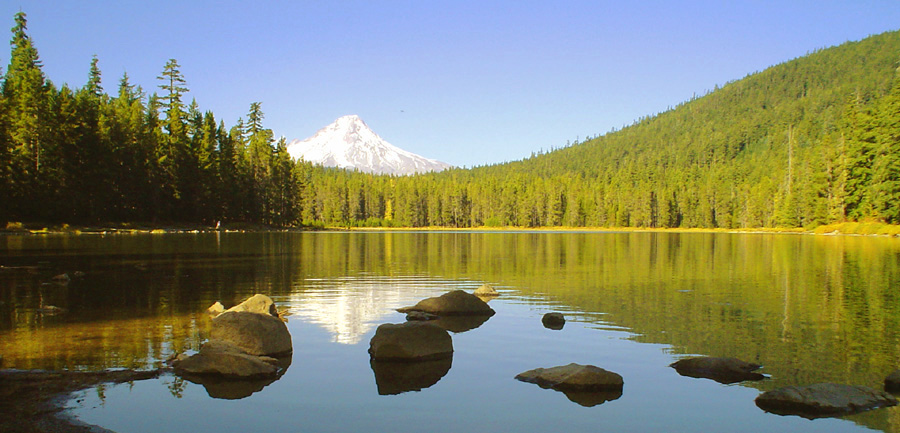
(709, 294)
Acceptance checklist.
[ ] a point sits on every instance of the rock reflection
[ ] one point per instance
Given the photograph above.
(235, 389)
(458, 324)
(396, 377)
(592, 398)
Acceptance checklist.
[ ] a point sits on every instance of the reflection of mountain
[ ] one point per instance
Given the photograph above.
(350, 307)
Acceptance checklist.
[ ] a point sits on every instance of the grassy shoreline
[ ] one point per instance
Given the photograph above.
(866, 228)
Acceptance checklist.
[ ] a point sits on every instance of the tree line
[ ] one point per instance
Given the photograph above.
(84, 156)
(808, 142)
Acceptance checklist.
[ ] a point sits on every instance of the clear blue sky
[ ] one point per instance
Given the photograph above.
(466, 82)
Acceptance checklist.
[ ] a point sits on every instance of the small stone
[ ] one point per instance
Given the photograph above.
(216, 309)
(554, 321)
(259, 304)
(486, 290)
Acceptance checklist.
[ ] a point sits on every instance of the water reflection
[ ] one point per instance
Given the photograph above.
(396, 377)
(811, 309)
(591, 399)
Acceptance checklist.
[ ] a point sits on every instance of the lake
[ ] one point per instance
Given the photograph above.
(808, 308)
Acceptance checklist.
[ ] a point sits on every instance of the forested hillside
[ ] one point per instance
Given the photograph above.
(811, 141)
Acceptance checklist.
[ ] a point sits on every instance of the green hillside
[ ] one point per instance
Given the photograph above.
(794, 145)
(812, 141)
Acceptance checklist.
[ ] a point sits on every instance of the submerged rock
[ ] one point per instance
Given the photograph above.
(722, 370)
(410, 341)
(392, 377)
(455, 303)
(255, 334)
(554, 321)
(823, 400)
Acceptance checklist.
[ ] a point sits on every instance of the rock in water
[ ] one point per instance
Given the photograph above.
(259, 304)
(486, 290)
(216, 309)
(226, 361)
(455, 303)
(255, 334)
(410, 341)
(574, 377)
(555, 321)
(823, 400)
(722, 370)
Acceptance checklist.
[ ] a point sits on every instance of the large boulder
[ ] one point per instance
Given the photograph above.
(410, 341)
(255, 334)
(574, 377)
(722, 370)
(823, 400)
(455, 303)
(586, 385)
(226, 361)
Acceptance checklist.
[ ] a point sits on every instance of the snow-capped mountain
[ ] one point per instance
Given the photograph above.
(349, 143)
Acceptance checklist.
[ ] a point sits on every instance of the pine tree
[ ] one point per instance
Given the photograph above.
(886, 165)
(25, 92)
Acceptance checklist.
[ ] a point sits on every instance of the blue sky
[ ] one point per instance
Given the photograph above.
(465, 82)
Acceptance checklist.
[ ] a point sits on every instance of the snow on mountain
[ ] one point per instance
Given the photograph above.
(349, 143)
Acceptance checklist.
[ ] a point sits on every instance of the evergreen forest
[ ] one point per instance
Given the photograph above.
(812, 141)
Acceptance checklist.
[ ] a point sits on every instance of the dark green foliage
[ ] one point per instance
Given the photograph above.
(811, 141)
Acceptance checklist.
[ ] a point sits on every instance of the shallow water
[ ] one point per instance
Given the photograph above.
(810, 309)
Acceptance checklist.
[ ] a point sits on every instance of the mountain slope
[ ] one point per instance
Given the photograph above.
(798, 144)
(349, 143)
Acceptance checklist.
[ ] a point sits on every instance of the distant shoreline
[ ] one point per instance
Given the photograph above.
(846, 228)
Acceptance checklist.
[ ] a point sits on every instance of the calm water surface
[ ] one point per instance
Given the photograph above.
(810, 309)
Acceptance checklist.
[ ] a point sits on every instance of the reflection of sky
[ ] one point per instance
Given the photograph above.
(351, 306)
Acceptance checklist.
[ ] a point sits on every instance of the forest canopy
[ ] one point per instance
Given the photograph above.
(812, 141)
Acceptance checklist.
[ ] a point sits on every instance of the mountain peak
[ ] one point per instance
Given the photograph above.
(349, 143)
